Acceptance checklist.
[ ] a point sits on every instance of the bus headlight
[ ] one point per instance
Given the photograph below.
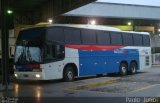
(37, 76)
(16, 75)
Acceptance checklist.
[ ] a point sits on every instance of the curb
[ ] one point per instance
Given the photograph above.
(156, 65)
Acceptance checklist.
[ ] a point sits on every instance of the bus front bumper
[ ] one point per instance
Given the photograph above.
(29, 75)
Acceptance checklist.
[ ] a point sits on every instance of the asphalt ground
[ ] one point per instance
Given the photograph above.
(142, 84)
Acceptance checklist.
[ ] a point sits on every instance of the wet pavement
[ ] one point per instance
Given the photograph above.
(142, 84)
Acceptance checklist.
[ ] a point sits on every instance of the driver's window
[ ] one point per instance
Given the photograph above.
(59, 51)
(54, 52)
(49, 52)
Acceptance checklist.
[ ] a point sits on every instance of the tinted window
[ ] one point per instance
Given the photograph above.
(34, 34)
(55, 34)
(137, 40)
(116, 38)
(127, 39)
(72, 36)
(54, 52)
(103, 37)
(49, 52)
(146, 40)
(88, 36)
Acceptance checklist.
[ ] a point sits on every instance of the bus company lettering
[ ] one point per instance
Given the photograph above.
(120, 51)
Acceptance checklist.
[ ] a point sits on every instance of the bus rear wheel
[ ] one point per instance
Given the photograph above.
(133, 68)
(68, 74)
(123, 69)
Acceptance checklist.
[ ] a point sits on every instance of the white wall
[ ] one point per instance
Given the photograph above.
(11, 40)
(155, 41)
(156, 58)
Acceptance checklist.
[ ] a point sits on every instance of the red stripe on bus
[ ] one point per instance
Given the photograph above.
(93, 47)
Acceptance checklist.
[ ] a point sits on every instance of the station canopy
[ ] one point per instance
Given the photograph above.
(133, 9)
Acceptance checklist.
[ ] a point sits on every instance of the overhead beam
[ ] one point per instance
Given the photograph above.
(34, 11)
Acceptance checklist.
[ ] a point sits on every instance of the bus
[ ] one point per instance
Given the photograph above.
(68, 51)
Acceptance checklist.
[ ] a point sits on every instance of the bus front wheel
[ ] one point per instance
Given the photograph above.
(123, 69)
(69, 74)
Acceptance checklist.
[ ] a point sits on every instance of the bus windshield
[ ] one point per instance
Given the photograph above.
(29, 46)
(27, 55)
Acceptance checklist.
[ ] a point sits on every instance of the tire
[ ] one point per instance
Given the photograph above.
(68, 74)
(123, 69)
(133, 68)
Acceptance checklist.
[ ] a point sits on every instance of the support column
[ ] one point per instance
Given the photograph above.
(4, 43)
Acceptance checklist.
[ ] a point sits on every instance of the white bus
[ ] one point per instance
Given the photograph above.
(65, 51)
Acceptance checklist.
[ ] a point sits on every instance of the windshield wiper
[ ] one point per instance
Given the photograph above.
(28, 55)
(22, 57)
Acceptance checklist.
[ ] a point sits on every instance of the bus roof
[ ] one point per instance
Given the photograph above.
(87, 26)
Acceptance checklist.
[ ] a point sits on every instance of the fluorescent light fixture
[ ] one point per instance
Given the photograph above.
(93, 22)
(129, 23)
(9, 11)
(38, 76)
(16, 75)
(50, 21)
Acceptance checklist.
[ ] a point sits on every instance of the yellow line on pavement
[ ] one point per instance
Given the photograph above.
(137, 90)
(87, 86)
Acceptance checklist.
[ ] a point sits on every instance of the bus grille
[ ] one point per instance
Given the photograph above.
(147, 60)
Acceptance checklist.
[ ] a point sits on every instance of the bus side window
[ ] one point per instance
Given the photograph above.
(103, 38)
(137, 40)
(116, 38)
(88, 36)
(59, 51)
(49, 52)
(54, 52)
(55, 34)
(127, 39)
(146, 40)
(72, 36)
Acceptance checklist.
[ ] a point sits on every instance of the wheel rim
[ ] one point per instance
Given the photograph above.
(124, 70)
(133, 69)
(70, 75)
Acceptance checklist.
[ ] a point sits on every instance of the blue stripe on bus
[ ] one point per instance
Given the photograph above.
(100, 62)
